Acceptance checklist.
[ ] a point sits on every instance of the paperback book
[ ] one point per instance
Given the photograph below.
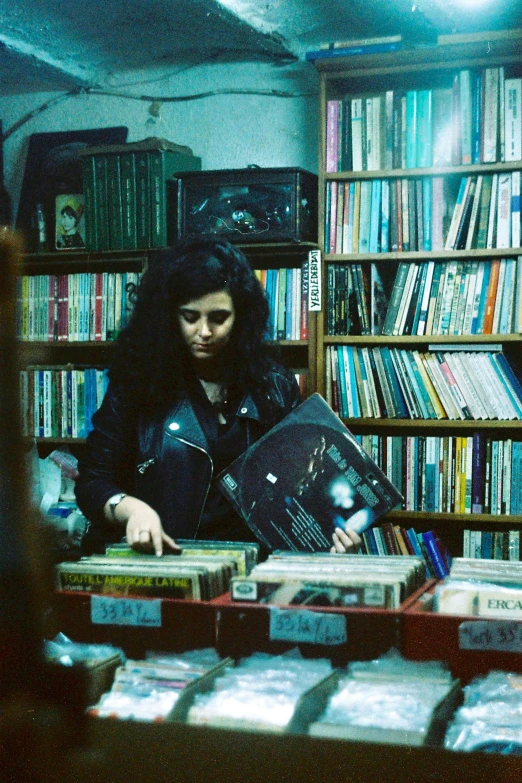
(305, 477)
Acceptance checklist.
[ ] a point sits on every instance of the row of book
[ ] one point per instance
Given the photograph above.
(59, 402)
(455, 298)
(473, 474)
(385, 382)
(83, 306)
(389, 539)
(491, 544)
(425, 298)
(422, 214)
(128, 203)
(474, 119)
(487, 212)
(287, 294)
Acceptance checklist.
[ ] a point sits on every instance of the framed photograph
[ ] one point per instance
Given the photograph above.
(53, 168)
(70, 221)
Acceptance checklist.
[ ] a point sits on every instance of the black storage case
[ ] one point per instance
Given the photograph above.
(247, 205)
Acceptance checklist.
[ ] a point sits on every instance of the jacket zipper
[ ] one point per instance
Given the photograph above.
(142, 467)
(199, 448)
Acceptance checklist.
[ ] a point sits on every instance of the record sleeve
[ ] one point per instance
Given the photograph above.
(305, 477)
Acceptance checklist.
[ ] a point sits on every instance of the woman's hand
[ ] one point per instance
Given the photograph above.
(345, 542)
(143, 527)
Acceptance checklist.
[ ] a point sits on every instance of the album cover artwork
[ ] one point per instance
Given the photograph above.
(306, 477)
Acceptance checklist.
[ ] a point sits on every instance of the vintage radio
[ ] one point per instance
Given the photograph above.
(247, 205)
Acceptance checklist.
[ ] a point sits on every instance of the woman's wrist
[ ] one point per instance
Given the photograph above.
(119, 512)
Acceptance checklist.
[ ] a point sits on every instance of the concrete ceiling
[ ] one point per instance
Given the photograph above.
(61, 44)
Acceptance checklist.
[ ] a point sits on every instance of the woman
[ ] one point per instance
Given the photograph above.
(192, 386)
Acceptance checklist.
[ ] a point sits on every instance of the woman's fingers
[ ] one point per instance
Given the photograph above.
(171, 543)
(345, 541)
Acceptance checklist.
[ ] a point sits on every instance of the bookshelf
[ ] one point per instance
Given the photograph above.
(395, 205)
(62, 348)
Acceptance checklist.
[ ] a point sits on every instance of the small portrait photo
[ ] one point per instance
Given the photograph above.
(70, 221)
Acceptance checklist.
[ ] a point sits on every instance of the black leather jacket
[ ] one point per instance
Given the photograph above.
(165, 462)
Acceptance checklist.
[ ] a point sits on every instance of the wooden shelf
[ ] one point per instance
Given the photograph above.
(432, 424)
(443, 339)
(439, 171)
(451, 517)
(428, 60)
(59, 441)
(52, 263)
(423, 255)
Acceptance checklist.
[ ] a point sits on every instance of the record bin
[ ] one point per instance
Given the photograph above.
(242, 629)
(427, 635)
(247, 205)
(185, 625)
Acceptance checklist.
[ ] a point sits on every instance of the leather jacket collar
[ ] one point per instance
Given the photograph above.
(181, 422)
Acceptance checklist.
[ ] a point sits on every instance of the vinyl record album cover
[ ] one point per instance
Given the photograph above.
(306, 477)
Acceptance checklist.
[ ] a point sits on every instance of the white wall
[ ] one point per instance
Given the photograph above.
(227, 131)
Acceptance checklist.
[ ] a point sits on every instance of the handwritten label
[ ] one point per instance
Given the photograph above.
(498, 635)
(107, 610)
(314, 280)
(300, 625)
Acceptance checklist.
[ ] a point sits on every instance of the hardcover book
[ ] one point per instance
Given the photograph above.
(305, 477)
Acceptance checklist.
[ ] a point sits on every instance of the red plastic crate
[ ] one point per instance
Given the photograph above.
(427, 636)
(185, 625)
(243, 628)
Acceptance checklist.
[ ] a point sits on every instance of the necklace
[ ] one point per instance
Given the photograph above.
(216, 392)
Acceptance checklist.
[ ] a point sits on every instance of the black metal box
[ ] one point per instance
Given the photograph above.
(248, 205)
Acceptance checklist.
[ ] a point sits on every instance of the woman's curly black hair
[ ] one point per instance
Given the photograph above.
(151, 365)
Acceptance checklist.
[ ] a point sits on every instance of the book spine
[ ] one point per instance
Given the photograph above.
(411, 129)
(465, 116)
(101, 202)
(128, 200)
(304, 301)
(491, 111)
(356, 120)
(332, 138)
(89, 194)
(512, 119)
(504, 211)
(436, 556)
(114, 201)
(143, 227)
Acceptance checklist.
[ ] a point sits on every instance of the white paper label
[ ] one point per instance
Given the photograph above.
(107, 610)
(301, 625)
(314, 280)
(499, 635)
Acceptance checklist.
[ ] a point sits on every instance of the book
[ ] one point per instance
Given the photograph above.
(491, 109)
(305, 477)
(347, 51)
(512, 121)
(164, 163)
(344, 44)
(128, 200)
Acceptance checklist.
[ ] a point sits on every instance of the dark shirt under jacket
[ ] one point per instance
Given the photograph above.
(219, 521)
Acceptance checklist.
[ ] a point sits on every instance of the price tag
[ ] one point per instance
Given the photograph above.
(498, 635)
(107, 610)
(301, 625)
